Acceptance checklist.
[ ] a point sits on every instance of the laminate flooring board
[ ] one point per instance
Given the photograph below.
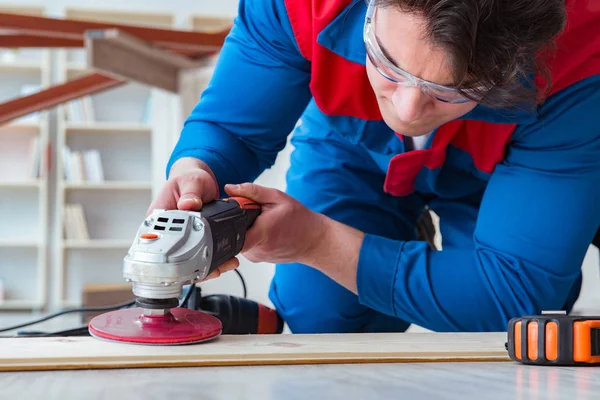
(428, 381)
(91, 353)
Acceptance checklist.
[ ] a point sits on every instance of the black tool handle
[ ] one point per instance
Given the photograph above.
(229, 220)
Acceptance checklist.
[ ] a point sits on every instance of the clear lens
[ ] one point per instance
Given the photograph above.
(386, 70)
(445, 95)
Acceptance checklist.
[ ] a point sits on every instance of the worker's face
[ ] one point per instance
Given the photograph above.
(406, 108)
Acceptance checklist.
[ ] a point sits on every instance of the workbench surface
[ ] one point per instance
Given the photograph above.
(478, 380)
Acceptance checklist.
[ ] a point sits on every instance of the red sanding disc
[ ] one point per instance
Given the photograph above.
(180, 326)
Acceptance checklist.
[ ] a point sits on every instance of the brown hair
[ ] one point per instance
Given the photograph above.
(493, 43)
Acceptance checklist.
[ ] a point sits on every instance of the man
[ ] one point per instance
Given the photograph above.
(460, 106)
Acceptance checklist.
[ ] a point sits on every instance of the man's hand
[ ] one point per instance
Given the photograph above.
(288, 232)
(285, 231)
(191, 183)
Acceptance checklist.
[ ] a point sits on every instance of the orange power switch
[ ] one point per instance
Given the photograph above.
(149, 236)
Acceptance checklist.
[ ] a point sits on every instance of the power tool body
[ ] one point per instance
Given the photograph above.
(174, 248)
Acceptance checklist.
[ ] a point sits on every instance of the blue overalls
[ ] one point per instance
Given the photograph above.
(517, 192)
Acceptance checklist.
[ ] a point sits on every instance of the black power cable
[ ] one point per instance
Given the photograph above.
(81, 331)
(81, 309)
(243, 282)
(184, 302)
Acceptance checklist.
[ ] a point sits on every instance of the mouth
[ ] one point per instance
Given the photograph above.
(413, 128)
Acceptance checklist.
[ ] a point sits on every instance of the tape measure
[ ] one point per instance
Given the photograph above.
(554, 338)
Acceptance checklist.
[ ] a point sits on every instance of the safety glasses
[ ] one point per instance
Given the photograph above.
(397, 75)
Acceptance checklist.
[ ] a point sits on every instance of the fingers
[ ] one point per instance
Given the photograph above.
(257, 193)
(227, 266)
(255, 236)
(190, 189)
(263, 195)
(165, 200)
(185, 192)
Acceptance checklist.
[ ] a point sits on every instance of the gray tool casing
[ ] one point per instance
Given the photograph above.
(180, 254)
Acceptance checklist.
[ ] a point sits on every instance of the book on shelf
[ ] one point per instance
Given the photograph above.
(35, 158)
(75, 225)
(146, 111)
(81, 110)
(82, 165)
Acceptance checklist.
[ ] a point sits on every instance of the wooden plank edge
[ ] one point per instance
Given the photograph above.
(123, 56)
(138, 46)
(257, 361)
(121, 61)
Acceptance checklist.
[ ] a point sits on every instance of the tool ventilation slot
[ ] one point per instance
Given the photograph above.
(175, 228)
(178, 221)
(163, 219)
(159, 227)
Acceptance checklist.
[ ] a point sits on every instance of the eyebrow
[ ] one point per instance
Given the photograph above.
(386, 53)
(396, 64)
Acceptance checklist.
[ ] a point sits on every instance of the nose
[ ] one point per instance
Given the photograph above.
(409, 102)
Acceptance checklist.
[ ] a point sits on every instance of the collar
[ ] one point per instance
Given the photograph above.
(344, 37)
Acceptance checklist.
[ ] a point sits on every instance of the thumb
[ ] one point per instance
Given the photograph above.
(191, 192)
(254, 192)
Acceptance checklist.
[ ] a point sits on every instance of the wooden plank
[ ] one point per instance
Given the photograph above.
(39, 40)
(142, 47)
(55, 95)
(22, 40)
(24, 354)
(117, 53)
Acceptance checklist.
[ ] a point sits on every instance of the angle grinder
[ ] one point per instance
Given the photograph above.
(173, 248)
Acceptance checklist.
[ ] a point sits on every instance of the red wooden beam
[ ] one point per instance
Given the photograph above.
(75, 30)
(55, 95)
(44, 32)
(21, 40)
(35, 41)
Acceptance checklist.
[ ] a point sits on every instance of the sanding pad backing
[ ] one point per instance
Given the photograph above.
(180, 326)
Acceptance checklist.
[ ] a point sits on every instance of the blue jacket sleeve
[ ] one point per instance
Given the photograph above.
(256, 95)
(536, 221)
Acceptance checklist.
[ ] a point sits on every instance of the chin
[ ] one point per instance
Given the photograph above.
(416, 129)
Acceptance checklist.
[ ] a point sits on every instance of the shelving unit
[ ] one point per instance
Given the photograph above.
(74, 195)
(24, 180)
(113, 190)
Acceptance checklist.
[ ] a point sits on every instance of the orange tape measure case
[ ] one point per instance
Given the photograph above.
(554, 339)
